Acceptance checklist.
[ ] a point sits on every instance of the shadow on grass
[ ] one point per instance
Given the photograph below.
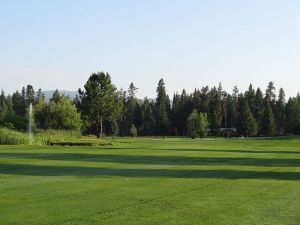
(157, 160)
(212, 150)
(37, 170)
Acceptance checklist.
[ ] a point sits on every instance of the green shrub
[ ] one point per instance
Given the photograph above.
(68, 138)
(59, 114)
(50, 137)
(55, 136)
(10, 137)
(14, 122)
(133, 131)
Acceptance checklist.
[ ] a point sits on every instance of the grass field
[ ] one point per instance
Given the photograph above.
(153, 181)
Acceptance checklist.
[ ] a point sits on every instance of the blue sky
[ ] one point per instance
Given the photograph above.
(58, 44)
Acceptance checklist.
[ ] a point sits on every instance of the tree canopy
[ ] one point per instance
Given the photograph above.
(100, 108)
(99, 101)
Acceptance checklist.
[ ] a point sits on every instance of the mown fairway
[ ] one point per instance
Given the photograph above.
(153, 181)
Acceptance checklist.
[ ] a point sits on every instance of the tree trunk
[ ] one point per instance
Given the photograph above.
(97, 130)
(101, 127)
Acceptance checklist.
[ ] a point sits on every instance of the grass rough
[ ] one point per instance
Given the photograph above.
(11, 137)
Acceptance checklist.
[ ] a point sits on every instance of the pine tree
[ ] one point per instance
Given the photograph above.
(147, 118)
(268, 122)
(247, 125)
(24, 100)
(250, 96)
(30, 95)
(132, 90)
(270, 93)
(3, 106)
(204, 99)
(175, 114)
(38, 96)
(230, 112)
(215, 111)
(56, 96)
(293, 115)
(130, 109)
(259, 109)
(122, 99)
(235, 94)
(18, 106)
(161, 106)
(280, 112)
(186, 107)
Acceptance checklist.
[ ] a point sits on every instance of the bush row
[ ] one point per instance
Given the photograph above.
(49, 137)
(10, 137)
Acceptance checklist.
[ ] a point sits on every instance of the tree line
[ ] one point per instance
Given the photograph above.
(101, 109)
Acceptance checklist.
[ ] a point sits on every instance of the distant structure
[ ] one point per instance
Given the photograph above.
(226, 132)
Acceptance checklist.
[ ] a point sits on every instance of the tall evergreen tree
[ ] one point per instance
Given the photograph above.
(131, 106)
(235, 94)
(3, 106)
(18, 104)
(9, 104)
(56, 96)
(186, 107)
(230, 112)
(215, 111)
(293, 115)
(175, 114)
(270, 93)
(259, 109)
(24, 100)
(204, 100)
(161, 106)
(147, 118)
(122, 98)
(268, 122)
(247, 125)
(130, 110)
(280, 112)
(250, 96)
(39, 95)
(30, 95)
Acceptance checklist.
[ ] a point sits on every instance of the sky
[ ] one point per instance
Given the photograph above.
(58, 44)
